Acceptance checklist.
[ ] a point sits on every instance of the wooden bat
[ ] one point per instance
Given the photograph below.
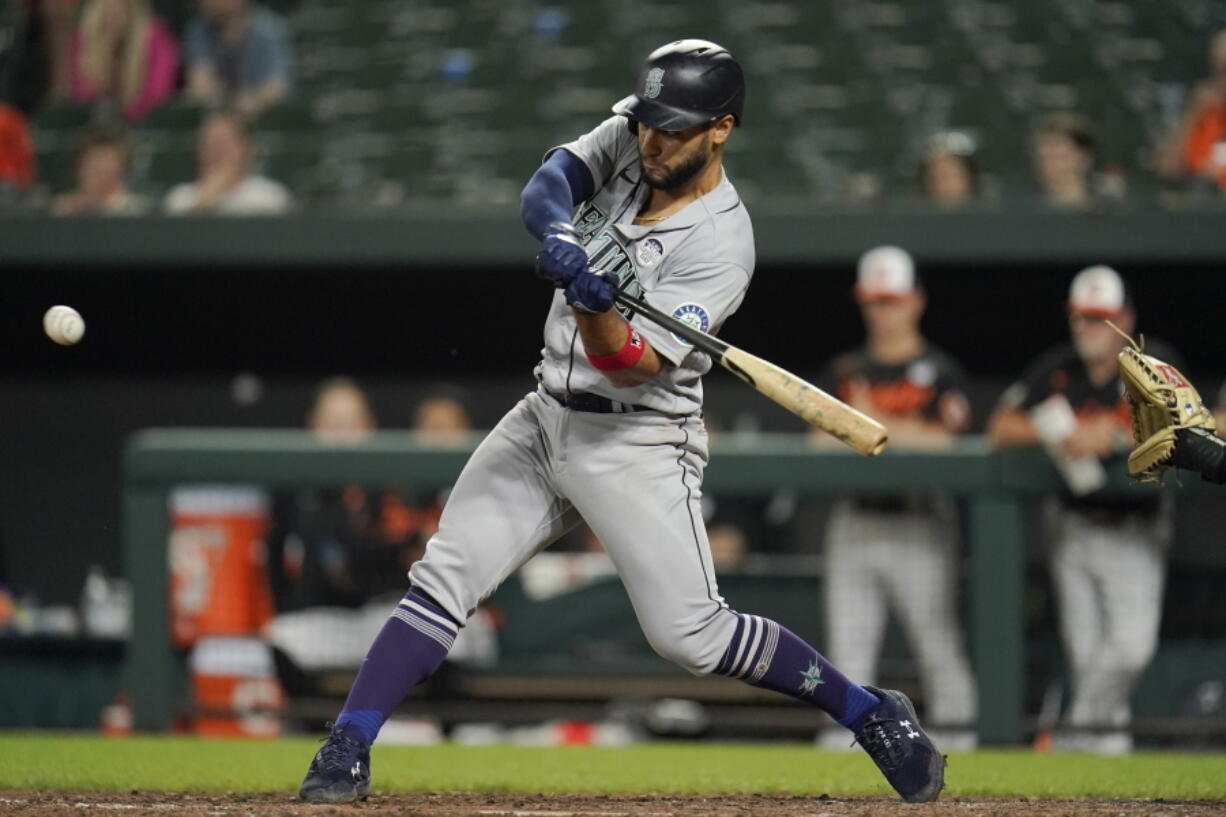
(803, 399)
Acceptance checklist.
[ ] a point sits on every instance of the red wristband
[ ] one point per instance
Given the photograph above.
(624, 357)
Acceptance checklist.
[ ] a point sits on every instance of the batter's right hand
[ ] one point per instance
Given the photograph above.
(590, 292)
(562, 257)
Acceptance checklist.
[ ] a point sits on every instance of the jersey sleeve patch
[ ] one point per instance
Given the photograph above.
(692, 314)
(650, 252)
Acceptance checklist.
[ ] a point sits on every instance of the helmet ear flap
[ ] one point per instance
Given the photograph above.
(632, 126)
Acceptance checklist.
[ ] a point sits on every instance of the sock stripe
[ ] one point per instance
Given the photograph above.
(421, 610)
(755, 648)
(768, 652)
(751, 628)
(427, 629)
(725, 663)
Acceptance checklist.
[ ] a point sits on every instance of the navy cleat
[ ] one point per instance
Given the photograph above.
(905, 755)
(340, 772)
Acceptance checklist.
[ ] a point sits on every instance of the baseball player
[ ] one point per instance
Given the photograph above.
(1107, 554)
(900, 551)
(613, 435)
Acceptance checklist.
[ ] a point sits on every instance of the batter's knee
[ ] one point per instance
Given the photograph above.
(696, 649)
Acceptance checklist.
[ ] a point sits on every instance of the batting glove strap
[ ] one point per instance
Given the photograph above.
(562, 256)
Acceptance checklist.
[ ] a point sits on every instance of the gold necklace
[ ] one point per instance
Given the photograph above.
(649, 219)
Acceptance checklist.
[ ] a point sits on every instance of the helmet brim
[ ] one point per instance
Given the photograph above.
(657, 115)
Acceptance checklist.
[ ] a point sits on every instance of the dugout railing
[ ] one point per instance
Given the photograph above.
(993, 486)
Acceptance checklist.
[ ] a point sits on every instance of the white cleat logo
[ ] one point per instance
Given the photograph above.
(911, 733)
(356, 771)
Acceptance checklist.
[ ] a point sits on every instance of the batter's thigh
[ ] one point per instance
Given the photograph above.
(502, 510)
(637, 481)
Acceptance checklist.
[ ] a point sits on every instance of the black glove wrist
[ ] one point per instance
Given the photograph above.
(1199, 450)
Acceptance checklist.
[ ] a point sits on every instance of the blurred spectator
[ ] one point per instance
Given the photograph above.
(338, 546)
(949, 175)
(16, 150)
(900, 551)
(1107, 553)
(1199, 145)
(123, 53)
(237, 55)
(102, 163)
(341, 414)
(1065, 150)
(225, 186)
(442, 412)
(729, 547)
(58, 19)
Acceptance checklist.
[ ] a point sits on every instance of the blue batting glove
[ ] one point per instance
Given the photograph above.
(589, 292)
(562, 257)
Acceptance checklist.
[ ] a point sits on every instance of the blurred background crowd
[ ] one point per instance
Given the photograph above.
(122, 107)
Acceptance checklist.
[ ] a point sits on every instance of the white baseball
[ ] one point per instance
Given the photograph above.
(64, 325)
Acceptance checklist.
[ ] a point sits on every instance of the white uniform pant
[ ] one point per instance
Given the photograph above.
(1108, 580)
(635, 478)
(875, 560)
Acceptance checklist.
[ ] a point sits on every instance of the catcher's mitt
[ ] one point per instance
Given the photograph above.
(1162, 402)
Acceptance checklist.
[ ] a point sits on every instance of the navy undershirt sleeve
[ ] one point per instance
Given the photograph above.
(553, 191)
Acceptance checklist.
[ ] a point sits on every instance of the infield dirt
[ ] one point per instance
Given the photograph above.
(137, 804)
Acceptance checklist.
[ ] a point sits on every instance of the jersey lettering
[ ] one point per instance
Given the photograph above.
(589, 222)
(608, 256)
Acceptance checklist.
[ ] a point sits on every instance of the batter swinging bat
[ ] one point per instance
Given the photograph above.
(803, 399)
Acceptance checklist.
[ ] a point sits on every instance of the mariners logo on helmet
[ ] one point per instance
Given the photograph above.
(653, 83)
(694, 315)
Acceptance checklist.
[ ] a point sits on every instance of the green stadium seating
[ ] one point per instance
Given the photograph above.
(426, 96)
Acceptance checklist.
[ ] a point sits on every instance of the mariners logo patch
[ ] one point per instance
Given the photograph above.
(694, 315)
(649, 252)
(653, 83)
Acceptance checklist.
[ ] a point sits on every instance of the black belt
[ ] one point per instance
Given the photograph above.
(586, 401)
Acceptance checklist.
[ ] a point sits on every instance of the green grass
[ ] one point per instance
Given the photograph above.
(188, 764)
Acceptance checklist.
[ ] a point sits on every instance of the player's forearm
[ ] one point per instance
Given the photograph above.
(251, 103)
(1010, 427)
(553, 191)
(604, 334)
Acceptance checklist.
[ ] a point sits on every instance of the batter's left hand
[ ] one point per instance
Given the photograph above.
(562, 257)
(589, 292)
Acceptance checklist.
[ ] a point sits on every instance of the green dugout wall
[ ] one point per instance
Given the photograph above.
(993, 485)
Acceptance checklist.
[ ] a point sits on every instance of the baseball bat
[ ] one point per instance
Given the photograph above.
(803, 399)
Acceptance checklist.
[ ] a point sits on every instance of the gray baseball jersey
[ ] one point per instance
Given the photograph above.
(695, 265)
(635, 478)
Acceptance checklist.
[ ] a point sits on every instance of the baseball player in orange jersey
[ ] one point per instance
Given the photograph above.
(1107, 553)
(900, 552)
(613, 434)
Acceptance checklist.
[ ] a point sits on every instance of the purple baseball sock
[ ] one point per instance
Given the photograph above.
(408, 649)
(767, 654)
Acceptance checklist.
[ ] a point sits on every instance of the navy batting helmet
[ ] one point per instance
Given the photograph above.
(686, 83)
